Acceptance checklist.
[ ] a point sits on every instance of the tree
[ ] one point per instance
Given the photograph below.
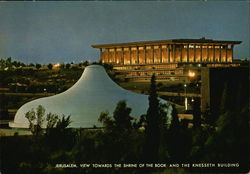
(108, 67)
(16, 64)
(86, 63)
(196, 114)
(177, 135)
(58, 135)
(36, 119)
(2, 63)
(224, 99)
(9, 62)
(50, 66)
(62, 66)
(107, 121)
(52, 120)
(227, 143)
(38, 66)
(4, 114)
(175, 123)
(68, 66)
(173, 138)
(119, 136)
(208, 116)
(160, 85)
(40, 112)
(121, 118)
(153, 125)
(31, 65)
(63, 123)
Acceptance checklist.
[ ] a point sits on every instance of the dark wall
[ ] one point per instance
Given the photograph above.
(229, 88)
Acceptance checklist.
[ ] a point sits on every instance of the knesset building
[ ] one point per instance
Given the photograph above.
(175, 59)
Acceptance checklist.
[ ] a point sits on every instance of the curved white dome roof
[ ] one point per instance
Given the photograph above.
(92, 94)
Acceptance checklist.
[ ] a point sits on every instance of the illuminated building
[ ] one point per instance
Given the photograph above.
(177, 59)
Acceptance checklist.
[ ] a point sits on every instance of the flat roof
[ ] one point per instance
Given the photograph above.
(162, 42)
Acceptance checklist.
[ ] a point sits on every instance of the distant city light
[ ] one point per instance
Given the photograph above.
(56, 66)
(191, 74)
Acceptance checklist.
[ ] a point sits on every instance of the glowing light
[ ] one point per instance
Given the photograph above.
(191, 74)
(186, 103)
(56, 66)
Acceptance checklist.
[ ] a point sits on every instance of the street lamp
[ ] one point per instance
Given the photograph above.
(186, 101)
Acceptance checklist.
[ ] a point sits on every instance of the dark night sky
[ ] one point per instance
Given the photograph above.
(44, 32)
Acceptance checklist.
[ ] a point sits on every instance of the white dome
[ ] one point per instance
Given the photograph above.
(92, 94)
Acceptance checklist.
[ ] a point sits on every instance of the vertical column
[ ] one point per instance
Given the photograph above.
(201, 59)
(174, 60)
(123, 62)
(153, 53)
(220, 53)
(213, 53)
(181, 49)
(115, 56)
(232, 48)
(194, 53)
(130, 57)
(145, 57)
(226, 52)
(101, 55)
(137, 54)
(160, 50)
(108, 55)
(187, 52)
(208, 55)
(168, 53)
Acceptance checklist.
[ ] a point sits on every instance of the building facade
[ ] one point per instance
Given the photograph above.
(168, 59)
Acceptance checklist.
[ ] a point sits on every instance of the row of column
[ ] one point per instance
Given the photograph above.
(167, 54)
